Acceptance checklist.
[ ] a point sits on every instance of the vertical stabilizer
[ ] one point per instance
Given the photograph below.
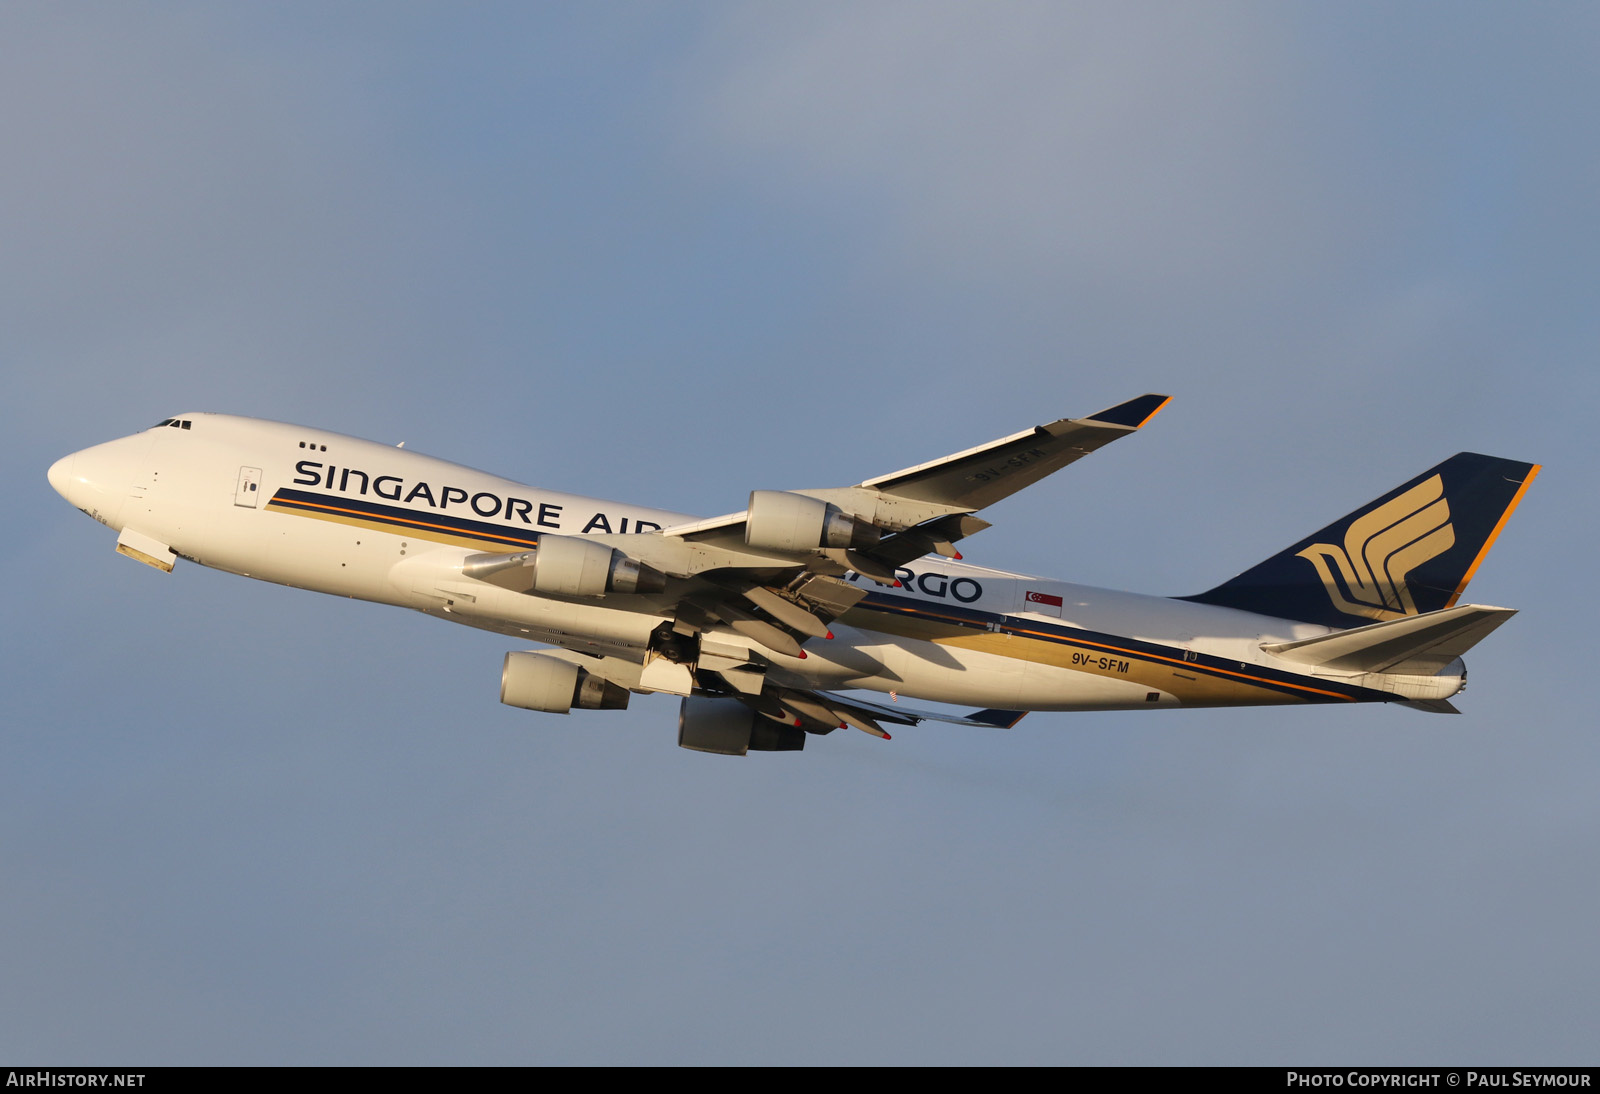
(1409, 552)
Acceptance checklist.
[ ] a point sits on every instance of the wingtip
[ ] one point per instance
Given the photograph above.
(1000, 719)
(1132, 414)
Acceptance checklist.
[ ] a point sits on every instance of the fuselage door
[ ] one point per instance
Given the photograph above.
(249, 489)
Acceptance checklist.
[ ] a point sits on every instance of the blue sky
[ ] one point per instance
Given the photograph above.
(671, 253)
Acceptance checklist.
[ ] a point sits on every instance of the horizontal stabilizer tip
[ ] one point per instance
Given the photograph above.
(1133, 413)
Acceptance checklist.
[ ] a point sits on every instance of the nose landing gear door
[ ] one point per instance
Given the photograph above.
(248, 492)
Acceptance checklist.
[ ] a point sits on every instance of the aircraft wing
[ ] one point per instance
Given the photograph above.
(818, 711)
(910, 716)
(967, 481)
(775, 572)
(984, 475)
(824, 711)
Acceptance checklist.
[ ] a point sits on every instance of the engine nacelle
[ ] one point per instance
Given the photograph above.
(729, 728)
(566, 566)
(534, 681)
(569, 566)
(781, 521)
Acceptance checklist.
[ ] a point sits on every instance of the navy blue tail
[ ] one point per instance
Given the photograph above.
(1411, 551)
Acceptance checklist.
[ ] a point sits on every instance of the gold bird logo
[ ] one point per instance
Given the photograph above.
(1367, 576)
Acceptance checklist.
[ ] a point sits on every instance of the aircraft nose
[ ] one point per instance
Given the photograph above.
(97, 480)
(61, 475)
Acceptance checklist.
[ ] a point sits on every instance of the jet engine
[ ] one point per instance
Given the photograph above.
(729, 728)
(567, 566)
(781, 521)
(535, 681)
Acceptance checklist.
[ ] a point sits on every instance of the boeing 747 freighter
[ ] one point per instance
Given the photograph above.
(762, 620)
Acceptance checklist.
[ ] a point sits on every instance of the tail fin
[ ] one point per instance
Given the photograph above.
(1409, 552)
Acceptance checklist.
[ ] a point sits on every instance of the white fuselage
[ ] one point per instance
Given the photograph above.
(335, 514)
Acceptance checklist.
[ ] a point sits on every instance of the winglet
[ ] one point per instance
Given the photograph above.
(1133, 413)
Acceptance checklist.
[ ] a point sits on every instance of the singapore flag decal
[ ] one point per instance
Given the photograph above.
(1043, 603)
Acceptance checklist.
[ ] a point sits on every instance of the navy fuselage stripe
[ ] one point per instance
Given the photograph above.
(403, 519)
(1209, 664)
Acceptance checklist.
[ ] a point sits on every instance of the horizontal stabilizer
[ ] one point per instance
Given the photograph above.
(1418, 645)
(1433, 706)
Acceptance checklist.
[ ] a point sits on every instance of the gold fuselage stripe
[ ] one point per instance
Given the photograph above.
(388, 524)
(1009, 627)
(1194, 666)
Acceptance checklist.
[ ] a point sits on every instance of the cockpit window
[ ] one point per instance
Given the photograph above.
(173, 423)
(162, 422)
